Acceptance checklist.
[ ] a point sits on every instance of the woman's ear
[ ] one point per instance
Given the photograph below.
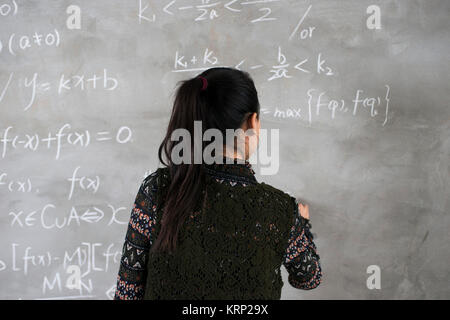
(253, 122)
(252, 136)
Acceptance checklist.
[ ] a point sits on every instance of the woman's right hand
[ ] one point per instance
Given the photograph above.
(304, 210)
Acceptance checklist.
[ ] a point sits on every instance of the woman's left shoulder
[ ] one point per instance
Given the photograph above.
(152, 181)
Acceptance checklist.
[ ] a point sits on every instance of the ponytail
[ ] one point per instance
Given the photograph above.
(186, 179)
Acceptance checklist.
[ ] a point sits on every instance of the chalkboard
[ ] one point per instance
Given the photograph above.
(359, 91)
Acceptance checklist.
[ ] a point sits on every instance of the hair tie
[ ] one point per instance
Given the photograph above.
(204, 81)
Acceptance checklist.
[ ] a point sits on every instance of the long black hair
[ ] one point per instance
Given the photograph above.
(229, 98)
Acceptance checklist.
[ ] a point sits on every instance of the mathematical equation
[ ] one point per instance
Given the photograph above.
(282, 69)
(208, 10)
(81, 139)
(37, 39)
(317, 103)
(64, 84)
(82, 261)
(48, 217)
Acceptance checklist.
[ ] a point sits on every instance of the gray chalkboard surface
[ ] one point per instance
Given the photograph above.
(359, 91)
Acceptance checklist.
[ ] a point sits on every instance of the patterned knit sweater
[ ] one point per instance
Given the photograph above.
(213, 261)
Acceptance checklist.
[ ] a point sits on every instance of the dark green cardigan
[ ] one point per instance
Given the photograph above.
(230, 249)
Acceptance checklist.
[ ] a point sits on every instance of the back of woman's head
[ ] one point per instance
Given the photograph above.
(222, 100)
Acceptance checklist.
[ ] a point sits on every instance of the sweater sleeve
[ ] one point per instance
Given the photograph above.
(301, 259)
(131, 278)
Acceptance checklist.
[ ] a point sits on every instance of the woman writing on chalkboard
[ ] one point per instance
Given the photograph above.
(210, 230)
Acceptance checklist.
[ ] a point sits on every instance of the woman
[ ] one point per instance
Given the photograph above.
(211, 230)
